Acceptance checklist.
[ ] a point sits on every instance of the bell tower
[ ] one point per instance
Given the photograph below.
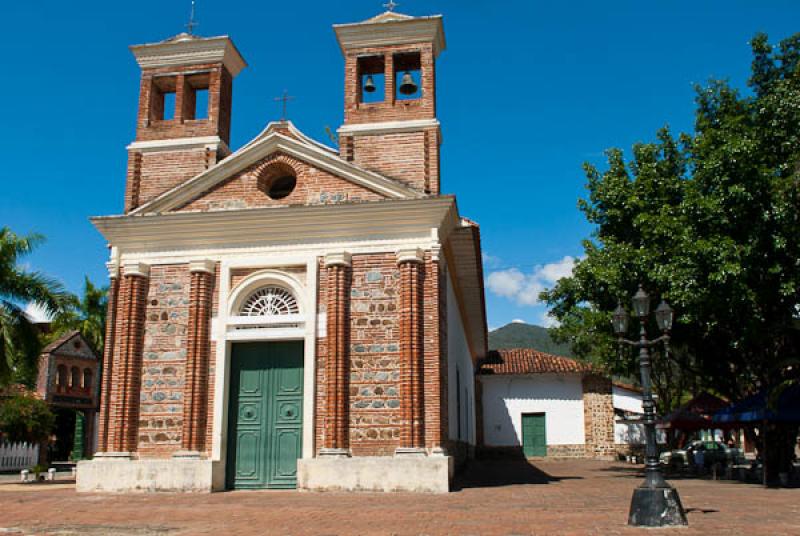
(184, 119)
(390, 123)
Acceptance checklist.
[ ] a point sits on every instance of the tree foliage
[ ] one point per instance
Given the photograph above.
(710, 222)
(86, 314)
(19, 339)
(25, 418)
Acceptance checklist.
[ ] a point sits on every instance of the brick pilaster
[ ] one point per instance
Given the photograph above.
(412, 397)
(195, 403)
(108, 357)
(337, 430)
(127, 373)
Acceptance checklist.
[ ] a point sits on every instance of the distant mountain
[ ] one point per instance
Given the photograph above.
(519, 335)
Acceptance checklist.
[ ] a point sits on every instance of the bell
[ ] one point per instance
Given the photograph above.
(407, 86)
(369, 85)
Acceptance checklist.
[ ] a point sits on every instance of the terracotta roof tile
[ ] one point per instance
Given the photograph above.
(528, 361)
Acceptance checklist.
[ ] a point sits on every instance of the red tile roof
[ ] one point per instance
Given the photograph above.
(528, 361)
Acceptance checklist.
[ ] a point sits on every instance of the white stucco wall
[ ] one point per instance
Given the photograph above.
(461, 376)
(627, 400)
(506, 398)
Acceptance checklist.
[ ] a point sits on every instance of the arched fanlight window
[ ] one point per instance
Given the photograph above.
(271, 300)
(87, 378)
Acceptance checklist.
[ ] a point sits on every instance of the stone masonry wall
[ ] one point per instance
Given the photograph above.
(375, 416)
(598, 409)
(164, 362)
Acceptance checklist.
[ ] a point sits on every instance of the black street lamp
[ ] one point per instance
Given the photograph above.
(655, 503)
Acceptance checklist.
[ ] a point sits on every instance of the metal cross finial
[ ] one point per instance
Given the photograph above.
(192, 23)
(285, 98)
(390, 5)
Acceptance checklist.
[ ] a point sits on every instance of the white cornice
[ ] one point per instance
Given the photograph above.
(392, 31)
(376, 220)
(179, 144)
(258, 150)
(190, 51)
(389, 127)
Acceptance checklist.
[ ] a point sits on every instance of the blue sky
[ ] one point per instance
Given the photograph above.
(528, 91)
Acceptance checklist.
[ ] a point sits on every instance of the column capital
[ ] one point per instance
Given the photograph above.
(342, 258)
(203, 266)
(415, 255)
(138, 269)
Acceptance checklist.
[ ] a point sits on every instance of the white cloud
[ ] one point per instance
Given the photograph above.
(490, 261)
(525, 288)
(518, 321)
(548, 321)
(37, 314)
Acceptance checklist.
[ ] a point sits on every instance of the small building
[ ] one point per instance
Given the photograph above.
(69, 381)
(547, 405)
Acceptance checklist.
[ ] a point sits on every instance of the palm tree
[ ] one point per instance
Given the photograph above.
(86, 314)
(19, 339)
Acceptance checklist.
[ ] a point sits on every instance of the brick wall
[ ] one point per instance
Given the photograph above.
(153, 173)
(598, 409)
(410, 157)
(164, 361)
(314, 187)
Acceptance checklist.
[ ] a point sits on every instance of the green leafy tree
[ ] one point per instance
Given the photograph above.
(25, 418)
(86, 314)
(19, 339)
(710, 222)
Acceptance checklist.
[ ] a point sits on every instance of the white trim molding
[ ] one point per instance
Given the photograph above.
(389, 127)
(179, 144)
(392, 29)
(185, 49)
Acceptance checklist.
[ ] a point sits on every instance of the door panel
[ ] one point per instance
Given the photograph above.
(265, 415)
(534, 434)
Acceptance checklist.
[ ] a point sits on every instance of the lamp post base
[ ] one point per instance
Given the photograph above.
(656, 507)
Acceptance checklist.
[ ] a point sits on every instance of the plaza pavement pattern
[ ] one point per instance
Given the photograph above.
(508, 498)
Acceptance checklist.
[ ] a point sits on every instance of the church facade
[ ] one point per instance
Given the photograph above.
(289, 314)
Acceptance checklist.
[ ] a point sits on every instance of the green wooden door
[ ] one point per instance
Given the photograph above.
(265, 415)
(534, 434)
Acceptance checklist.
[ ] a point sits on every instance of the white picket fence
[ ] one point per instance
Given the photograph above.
(18, 456)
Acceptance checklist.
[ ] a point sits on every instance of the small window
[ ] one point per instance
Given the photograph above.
(87, 378)
(278, 181)
(162, 99)
(75, 380)
(61, 376)
(281, 187)
(408, 76)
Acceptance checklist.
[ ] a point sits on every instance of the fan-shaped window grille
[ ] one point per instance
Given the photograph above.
(270, 301)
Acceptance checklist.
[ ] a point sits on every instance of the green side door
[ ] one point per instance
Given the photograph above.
(534, 434)
(265, 415)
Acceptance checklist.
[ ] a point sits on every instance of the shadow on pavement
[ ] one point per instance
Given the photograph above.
(502, 472)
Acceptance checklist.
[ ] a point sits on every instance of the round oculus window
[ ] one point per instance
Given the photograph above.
(281, 186)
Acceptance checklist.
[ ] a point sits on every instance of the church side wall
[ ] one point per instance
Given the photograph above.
(461, 395)
(164, 362)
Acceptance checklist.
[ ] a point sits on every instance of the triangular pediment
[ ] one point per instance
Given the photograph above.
(72, 344)
(278, 141)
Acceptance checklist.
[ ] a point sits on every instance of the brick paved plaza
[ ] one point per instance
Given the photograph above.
(495, 498)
